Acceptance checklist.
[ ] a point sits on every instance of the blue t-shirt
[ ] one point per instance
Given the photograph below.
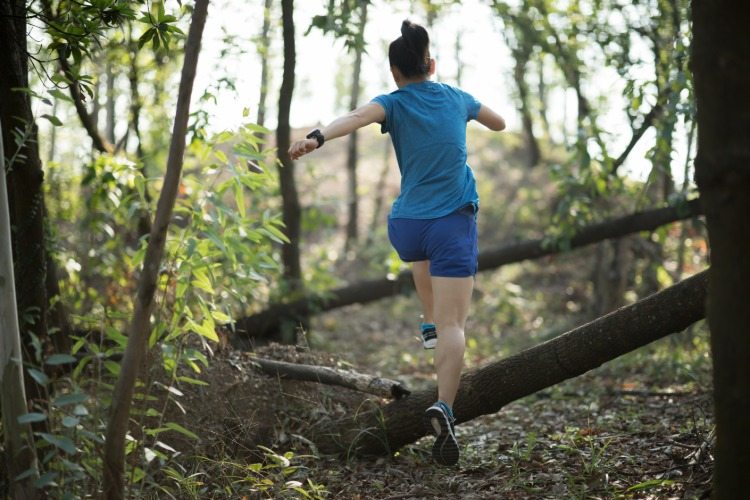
(427, 123)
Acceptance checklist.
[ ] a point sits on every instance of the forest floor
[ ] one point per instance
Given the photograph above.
(640, 426)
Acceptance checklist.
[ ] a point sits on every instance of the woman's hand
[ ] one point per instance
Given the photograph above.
(302, 147)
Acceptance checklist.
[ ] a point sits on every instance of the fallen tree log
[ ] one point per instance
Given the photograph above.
(371, 384)
(267, 323)
(383, 430)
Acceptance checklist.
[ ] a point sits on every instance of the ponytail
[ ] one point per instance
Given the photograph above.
(410, 52)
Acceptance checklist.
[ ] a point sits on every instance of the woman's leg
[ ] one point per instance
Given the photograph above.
(420, 271)
(451, 299)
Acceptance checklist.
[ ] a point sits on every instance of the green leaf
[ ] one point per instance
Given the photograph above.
(62, 442)
(221, 156)
(239, 196)
(69, 421)
(205, 329)
(71, 399)
(144, 39)
(40, 377)
(80, 411)
(60, 95)
(220, 317)
(116, 335)
(273, 233)
(53, 120)
(46, 479)
(202, 281)
(177, 427)
(192, 381)
(651, 483)
(28, 418)
(60, 359)
(112, 367)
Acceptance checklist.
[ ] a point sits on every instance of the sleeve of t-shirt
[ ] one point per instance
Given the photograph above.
(472, 105)
(385, 101)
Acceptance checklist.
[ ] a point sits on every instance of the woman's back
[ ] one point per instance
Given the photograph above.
(427, 123)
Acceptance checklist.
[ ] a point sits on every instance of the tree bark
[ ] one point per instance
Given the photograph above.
(24, 183)
(352, 225)
(19, 444)
(136, 104)
(263, 48)
(486, 390)
(266, 324)
(138, 332)
(110, 103)
(290, 254)
(522, 54)
(721, 68)
(88, 121)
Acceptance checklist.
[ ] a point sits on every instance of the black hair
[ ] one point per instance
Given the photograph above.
(410, 52)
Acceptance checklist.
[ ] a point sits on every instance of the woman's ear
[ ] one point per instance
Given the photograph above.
(431, 71)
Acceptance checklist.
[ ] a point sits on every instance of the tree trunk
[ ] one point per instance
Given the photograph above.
(138, 332)
(89, 121)
(486, 390)
(110, 103)
(265, 324)
(721, 68)
(136, 104)
(263, 47)
(610, 279)
(24, 183)
(19, 444)
(352, 225)
(377, 210)
(521, 56)
(458, 53)
(290, 254)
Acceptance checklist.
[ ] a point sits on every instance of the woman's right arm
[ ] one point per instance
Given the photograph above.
(344, 125)
(490, 119)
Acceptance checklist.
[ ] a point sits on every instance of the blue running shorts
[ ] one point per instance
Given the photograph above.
(449, 243)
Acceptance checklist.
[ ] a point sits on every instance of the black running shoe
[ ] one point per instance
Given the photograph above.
(438, 421)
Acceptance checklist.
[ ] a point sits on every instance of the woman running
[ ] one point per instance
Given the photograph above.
(432, 223)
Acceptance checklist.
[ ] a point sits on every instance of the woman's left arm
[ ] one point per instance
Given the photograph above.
(344, 125)
(490, 119)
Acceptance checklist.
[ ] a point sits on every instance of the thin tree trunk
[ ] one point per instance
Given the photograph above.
(136, 104)
(542, 93)
(721, 69)
(685, 184)
(521, 56)
(263, 49)
(89, 121)
(290, 254)
(53, 134)
(266, 323)
(110, 104)
(138, 332)
(377, 211)
(352, 226)
(457, 48)
(486, 390)
(19, 445)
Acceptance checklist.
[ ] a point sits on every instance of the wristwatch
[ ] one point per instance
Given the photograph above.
(317, 135)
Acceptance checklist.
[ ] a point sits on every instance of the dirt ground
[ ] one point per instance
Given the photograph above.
(638, 427)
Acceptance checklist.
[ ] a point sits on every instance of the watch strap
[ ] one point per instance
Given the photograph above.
(317, 135)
